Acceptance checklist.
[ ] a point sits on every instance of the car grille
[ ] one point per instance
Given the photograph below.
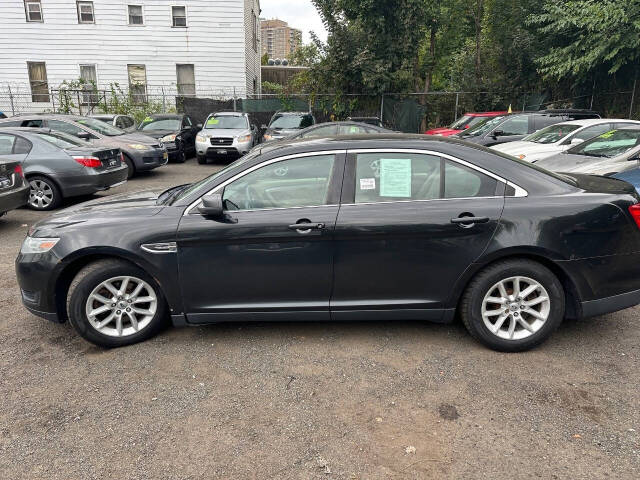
(217, 141)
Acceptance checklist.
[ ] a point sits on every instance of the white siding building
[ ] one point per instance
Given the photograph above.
(201, 47)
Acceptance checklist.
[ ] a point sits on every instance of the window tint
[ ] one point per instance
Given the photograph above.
(384, 177)
(514, 126)
(591, 132)
(325, 131)
(21, 146)
(461, 181)
(299, 182)
(32, 123)
(6, 143)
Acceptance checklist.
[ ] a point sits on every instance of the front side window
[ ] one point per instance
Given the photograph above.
(33, 10)
(85, 12)
(179, 16)
(135, 14)
(591, 132)
(60, 139)
(298, 182)
(38, 81)
(514, 126)
(481, 128)
(388, 177)
(65, 127)
(137, 82)
(101, 127)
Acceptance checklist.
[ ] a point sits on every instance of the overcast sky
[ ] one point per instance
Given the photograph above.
(300, 14)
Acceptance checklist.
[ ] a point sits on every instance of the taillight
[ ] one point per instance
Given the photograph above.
(634, 210)
(91, 162)
(121, 157)
(18, 170)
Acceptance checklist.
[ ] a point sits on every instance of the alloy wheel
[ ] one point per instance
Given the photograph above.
(41, 195)
(515, 308)
(121, 306)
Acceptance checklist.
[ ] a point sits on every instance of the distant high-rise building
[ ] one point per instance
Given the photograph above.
(279, 40)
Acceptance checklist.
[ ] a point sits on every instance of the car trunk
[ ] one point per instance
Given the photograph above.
(10, 179)
(109, 157)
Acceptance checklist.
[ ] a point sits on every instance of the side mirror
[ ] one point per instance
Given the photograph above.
(498, 133)
(84, 135)
(264, 127)
(575, 141)
(254, 127)
(199, 126)
(212, 206)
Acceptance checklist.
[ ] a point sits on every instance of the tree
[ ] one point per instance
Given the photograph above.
(305, 55)
(264, 60)
(587, 35)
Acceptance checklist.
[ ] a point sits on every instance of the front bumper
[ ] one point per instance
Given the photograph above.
(236, 149)
(13, 199)
(35, 274)
(145, 160)
(93, 181)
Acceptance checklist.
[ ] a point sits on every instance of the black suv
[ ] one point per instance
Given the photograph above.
(516, 126)
(283, 124)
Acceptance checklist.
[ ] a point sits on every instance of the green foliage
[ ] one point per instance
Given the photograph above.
(264, 60)
(305, 55)
(119, 102)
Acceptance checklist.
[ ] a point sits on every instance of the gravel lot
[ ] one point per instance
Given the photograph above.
(311, 400)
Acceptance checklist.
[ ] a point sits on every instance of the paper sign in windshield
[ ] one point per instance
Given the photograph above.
(213, 121)
(395, 177)
(367, 184)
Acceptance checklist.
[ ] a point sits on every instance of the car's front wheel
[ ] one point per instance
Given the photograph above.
(513, 305)
(113, 303)
(202, 160)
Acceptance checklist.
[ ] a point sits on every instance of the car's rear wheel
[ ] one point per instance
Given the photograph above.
(513, 305)
(44, 194)
(112, 303)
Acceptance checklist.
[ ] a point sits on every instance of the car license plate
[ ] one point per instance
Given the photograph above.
(221, 152)
(113, 163)
(165, 155)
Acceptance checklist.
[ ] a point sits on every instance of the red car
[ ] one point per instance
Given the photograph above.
(464, 122)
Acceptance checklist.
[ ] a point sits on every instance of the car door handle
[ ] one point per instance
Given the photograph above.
(469, 220)
(306, 226)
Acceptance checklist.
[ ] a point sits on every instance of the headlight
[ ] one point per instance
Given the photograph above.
(138, 146)
(267, 136)
(244, 139)
(169, 138)
(38, 245)
(201, 138)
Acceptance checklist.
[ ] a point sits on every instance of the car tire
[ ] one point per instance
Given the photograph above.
(182, 156)
(115, 326)
(202, 160)
(130, 166)
(495, 313)
(44, 194)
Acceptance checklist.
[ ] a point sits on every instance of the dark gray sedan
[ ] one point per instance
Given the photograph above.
(58, 165)
(141, 152)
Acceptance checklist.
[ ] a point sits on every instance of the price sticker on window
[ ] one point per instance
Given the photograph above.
(395, 177)
(367, 184)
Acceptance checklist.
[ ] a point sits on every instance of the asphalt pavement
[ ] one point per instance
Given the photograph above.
(331, 400)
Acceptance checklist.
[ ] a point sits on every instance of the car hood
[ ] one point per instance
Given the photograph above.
(224, 132)
(442, 131)
(158, 133)
(530, 151)
(566, 162)
(136, 138)
(139, 204)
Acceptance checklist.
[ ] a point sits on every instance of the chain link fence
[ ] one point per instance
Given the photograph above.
(407, 112)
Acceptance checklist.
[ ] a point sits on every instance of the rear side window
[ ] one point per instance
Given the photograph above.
(32, 123)
(21, 146)
(514, 126)
(385, 177)
(17, 123)
(6, 144)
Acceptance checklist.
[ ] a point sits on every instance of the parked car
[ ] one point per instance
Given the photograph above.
(285, 124)
(58, 165)
(615, 153)
(375, 227)
(2, 115)
(466, 121)
(14, 189)
(375, 121)
(329, 129)
(141, 152)
(227, 135)
(516, 126)
(557, 138)
(123, 122)
(177, 132)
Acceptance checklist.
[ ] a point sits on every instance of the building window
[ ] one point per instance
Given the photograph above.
(179, 16)
(137, 83)
(135, 15)
(85, 12)
(254, 29)
(88, 74)
(33, 10)
(186, 79)
(38, 82)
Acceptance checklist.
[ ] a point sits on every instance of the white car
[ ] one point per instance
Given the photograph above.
(227, 135)
(557, 138)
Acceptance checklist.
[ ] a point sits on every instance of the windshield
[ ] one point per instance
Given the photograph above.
(100, 127)
(226, 121)
(287, 122)
(551, 134)
(609, 144)
(198, 187)
(62, 140)
(172, 124)
(467, 121)
(482, 128)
